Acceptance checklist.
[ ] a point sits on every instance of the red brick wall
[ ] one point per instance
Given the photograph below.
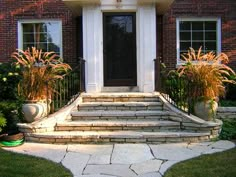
(11, 11)
(225, 9)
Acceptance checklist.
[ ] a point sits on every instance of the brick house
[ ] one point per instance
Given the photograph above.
(119, 38)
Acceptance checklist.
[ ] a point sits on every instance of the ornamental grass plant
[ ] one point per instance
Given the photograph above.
(207, 74)
(39, 71)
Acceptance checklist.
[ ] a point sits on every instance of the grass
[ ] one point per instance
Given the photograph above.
(13, 164)
(214, 165)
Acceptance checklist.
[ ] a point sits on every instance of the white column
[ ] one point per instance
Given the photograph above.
(92, 48)
(146, 47)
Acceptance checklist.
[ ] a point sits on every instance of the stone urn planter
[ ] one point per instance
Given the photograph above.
(206, 109)
(34, 111)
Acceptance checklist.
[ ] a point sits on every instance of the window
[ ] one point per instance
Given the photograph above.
(198, 32)
(45, 35)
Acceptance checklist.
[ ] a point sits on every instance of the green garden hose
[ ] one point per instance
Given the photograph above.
(11, 143)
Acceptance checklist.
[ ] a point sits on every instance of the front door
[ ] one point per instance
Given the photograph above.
(119, 36)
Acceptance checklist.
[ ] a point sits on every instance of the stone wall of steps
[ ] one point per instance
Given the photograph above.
(226, 113)
(125, 118)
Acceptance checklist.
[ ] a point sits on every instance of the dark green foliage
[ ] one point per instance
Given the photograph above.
(9, 79)
(231, 90)
(227, 103)
(2, 121)
(228, 131)
(214, 165)
(176, 87)
(18, 165)
(11, 110)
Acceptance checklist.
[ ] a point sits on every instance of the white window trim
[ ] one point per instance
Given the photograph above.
(20, 31)
(218, 32)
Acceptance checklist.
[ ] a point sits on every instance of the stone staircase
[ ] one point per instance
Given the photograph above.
(125, 118)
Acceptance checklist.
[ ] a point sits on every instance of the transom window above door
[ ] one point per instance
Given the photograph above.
(196, 33)
(45, 35)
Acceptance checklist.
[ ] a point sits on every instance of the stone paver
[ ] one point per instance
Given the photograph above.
(99, 159)
(91, 149)
(75, 162)
(113, 169)
(122, 153)
(199, 148)
(120, 160)
(95, 176)
(173, 152)
(211, 151)
(222, 145)
(147, 166)
(211, 147)
(153, 174)
(100, 154)
(166, 165)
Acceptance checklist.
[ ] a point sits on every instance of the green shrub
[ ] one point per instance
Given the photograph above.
(11, 111)
(9, 79)
(231, 90)
(228, 129)
(227, 103)
(176, 87)
(2, 121)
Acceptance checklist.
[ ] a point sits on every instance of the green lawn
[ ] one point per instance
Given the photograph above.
(215, 165)
(18, 165)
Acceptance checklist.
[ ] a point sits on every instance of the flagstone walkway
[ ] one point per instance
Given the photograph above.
(120, 160)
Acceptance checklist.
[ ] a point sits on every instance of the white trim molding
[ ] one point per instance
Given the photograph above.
(75, 5)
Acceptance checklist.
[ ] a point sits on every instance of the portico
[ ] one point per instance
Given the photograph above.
(119, 42)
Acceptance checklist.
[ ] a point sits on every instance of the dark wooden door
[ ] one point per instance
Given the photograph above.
(119, 36)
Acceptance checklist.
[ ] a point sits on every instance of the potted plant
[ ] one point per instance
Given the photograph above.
(206, 74)
(39, 71)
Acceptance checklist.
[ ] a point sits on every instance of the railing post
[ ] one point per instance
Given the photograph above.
(157, 71)
(82, 74)
(47, 97)
(188, 98)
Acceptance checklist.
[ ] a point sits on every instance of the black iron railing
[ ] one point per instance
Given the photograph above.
(68, 89)
(175, 89)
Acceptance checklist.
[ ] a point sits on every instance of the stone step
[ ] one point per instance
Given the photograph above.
(120, 97)
(115, 114)
(101, 125)
(120, 106)
(115, 137)
(121, 89)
